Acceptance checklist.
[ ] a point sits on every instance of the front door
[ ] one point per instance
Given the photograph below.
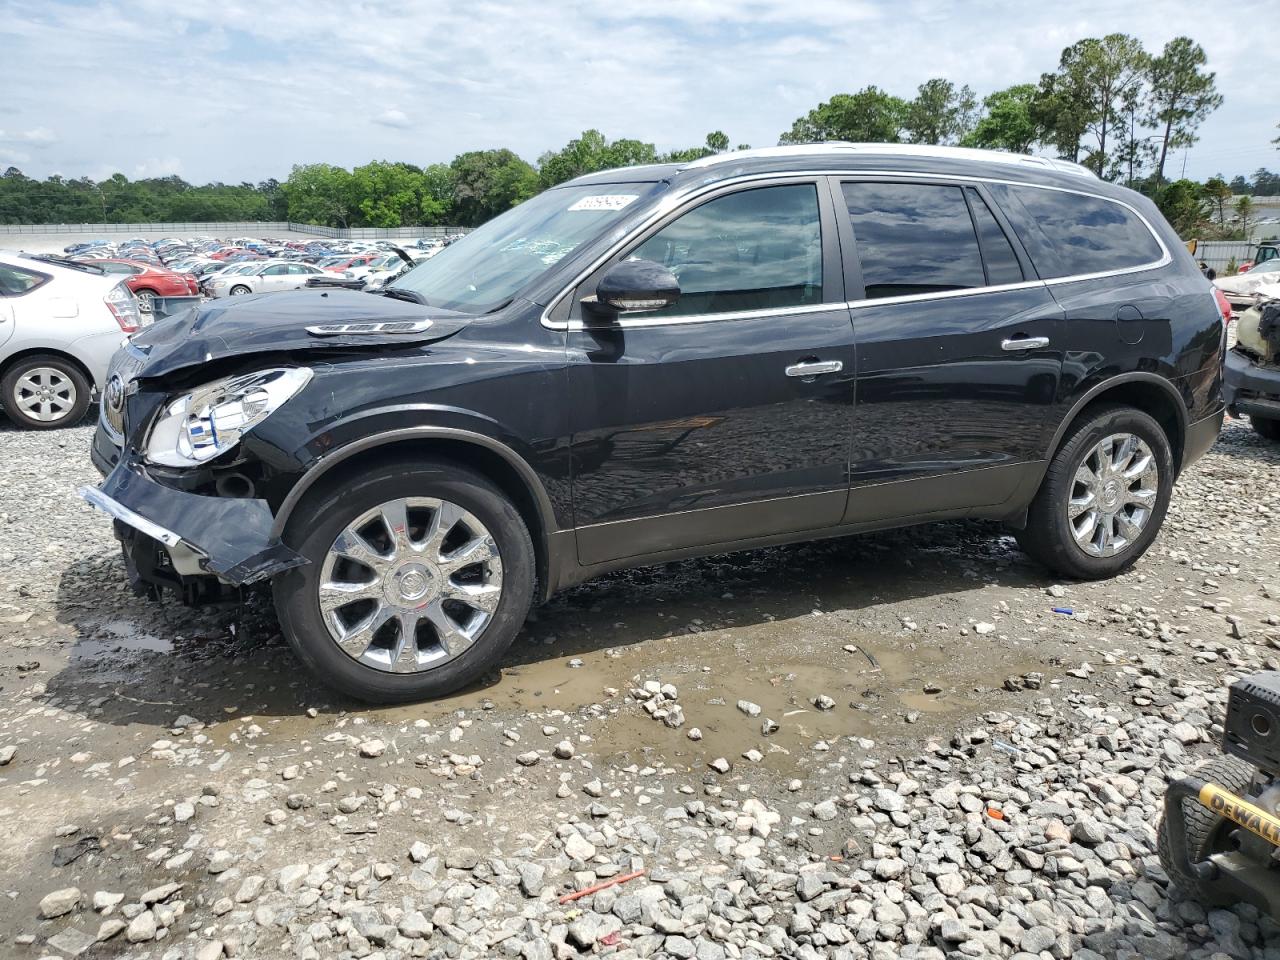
(960, 351)
(725, 416)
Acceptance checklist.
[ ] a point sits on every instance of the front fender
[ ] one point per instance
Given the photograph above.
(368, 432)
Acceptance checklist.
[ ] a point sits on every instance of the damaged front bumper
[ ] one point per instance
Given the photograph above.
(1251, 387)
(185, 541)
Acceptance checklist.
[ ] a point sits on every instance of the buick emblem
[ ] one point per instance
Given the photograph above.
(113, 395)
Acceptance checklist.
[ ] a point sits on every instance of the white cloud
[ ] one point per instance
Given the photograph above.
(157, 167)
(393, 118)
(245, 90)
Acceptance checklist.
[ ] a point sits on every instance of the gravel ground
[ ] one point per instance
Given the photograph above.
(887, 746)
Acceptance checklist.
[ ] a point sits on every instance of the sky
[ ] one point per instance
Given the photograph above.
(232, 91)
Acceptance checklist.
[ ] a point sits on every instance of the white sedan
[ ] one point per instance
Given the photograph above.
(263, 278)
(60, 322)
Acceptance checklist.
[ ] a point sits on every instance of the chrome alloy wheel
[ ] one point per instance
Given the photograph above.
(1113, 494)
(45, 394)
(410, 585)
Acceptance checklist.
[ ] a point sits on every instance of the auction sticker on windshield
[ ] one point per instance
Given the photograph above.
(606, 201)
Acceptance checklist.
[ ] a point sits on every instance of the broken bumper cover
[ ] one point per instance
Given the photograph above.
(1251, 388)
(224, 537)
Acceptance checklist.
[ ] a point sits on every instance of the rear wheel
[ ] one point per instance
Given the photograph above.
(43, 392)
(146, 298)
(420, 576)
(1104, 496)
(1266, 427)
(1207, 833)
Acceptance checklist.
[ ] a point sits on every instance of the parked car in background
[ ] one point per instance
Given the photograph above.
(148, 281)
(1252, 383)
(647, 364)
(1242, 288)
(60, 323)
(262, 278)
(1266, 251)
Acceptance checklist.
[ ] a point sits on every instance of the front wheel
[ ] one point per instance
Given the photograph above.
(420, 576)
(1266, 427)
(43, 392)
(239, 290)
(1103, 497)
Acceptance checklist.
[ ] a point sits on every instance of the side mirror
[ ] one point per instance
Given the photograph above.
(636, 285)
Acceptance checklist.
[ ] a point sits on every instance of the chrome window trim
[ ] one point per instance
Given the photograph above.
(675, 201)
(944, 294)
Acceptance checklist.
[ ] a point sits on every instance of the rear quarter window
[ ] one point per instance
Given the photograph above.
(1087, 234)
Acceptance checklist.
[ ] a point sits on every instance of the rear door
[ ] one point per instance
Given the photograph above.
(960, 349)
(725, 416)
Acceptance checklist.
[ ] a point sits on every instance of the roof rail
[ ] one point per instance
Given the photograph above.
(893, 149)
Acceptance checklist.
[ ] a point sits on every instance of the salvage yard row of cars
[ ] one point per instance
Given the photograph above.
(62, 317)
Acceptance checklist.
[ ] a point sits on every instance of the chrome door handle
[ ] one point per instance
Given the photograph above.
(813, 368)
(1024, 343)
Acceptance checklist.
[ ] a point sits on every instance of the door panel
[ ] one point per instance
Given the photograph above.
(938, 393)
(692, 417)
(959, 356)
(700, 424)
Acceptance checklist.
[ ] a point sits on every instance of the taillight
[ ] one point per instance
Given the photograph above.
(1223, 305)
(124, 308)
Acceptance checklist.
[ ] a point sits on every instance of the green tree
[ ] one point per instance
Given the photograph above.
(1007, 122)
(490, 182)
(437, 193)
(388, 194)
(1183, 94)
(940, 113)
(717, 141)
(1099, 77)
(869, 116)
(1244, 212)
(320, 193)
(1218, 194)
(1182, 203)
(590, 152)
(1061, 110)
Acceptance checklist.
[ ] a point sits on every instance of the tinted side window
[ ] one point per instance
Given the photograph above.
(754, 250)
(997, 252)
(1089, 234)
(913, 238)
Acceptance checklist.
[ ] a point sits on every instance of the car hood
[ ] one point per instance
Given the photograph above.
(279, 322)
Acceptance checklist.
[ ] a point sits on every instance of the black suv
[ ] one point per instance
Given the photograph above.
(659, 362)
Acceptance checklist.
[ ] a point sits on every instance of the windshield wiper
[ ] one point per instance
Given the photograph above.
(66, 262)
(401, 293)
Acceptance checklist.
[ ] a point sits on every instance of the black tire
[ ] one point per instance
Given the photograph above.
(1266, 427)
(1047, 537)
(145, 296)
(322, 517)
(1206, 832)
(239, 290)
(68, 415)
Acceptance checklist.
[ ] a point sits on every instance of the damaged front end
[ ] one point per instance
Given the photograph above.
(189, 482)
(192, 544)
(1252, 381)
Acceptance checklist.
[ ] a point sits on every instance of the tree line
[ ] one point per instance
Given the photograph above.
(1110, 104)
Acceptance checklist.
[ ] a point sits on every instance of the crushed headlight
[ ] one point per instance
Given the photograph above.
(210, 420)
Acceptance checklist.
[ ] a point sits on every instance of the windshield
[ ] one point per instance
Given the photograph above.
(486, 268)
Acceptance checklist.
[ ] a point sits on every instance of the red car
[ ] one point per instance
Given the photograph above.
(360, 261)
(148, 280)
